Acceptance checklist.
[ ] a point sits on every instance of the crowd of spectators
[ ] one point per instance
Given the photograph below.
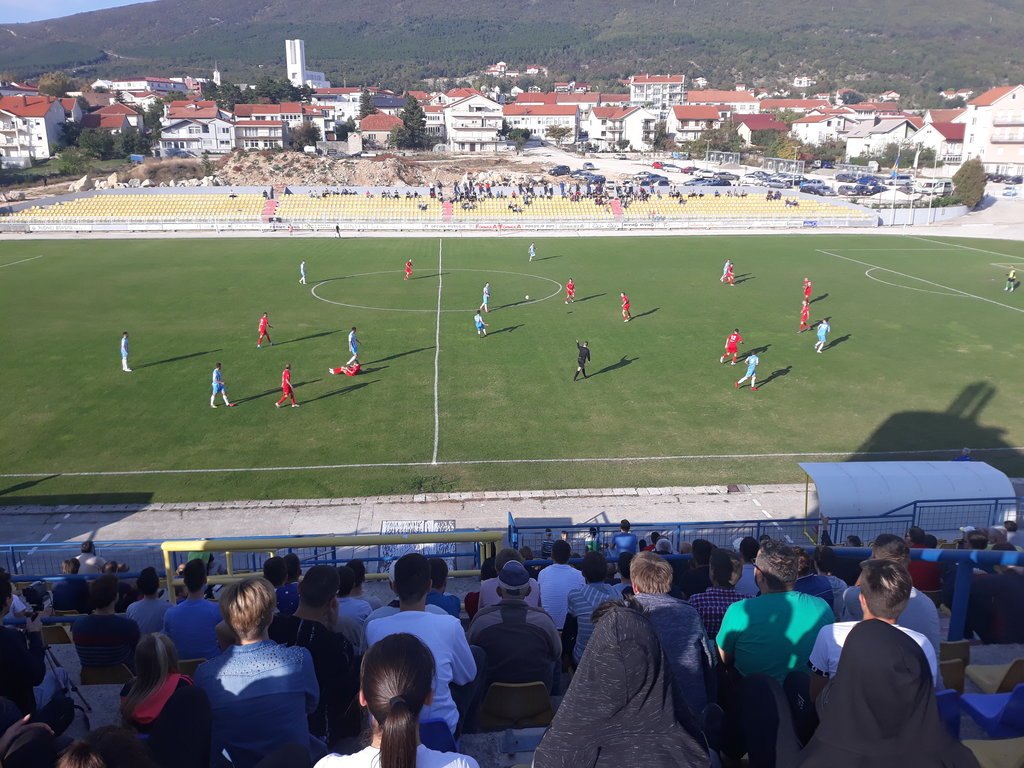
(665, 661)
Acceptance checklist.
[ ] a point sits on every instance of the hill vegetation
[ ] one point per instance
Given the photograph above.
(941, 43)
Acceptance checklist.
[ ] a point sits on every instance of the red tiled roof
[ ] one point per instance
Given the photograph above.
(462, 93)
(643, 79)
(27, 106)
(514, 110)
(290, 107)
(342, 91)
(188, 112)
(246, 123)
(106, 122)
(190, 103)
(612, 113)
(614, 97)
(696, 112)
(577, 98)
(117, 109)
(950, 131)
(945, 115)
(379, 121)
(760, 122)
(769, 104)
(719, 97)
(68, 103)
(433, 108)
(990, 97)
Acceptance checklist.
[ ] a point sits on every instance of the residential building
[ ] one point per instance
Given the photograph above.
(473, 122)
(742, 102)
(262, 134)
(141, 99)
(344, 101)
(689, 121)
(17, 89)
(962, 93)
(72, 109)
(116, 123)
(29, 126)
(159, 85)
(606, 127)
(819, 128)
(658, 92)
(746, 125)
(800, 106)
(803, 81)
(376, 129)
(943, 115)
(700, 82)
(131, 116)
(298, 75)
(994, 124)
(293, 113)
(435, 122)
(888, 96)
(873, 139)
(190, 128)
(946, 139)
(537, 118)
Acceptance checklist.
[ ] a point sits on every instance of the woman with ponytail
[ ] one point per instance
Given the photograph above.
(395, 683)
(156, 666)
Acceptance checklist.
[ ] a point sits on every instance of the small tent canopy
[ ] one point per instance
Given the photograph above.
(869, 488)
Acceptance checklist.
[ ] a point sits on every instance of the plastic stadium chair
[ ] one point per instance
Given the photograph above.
(1000, 714)
(935, 595)
(998, 753)
(952, 673)
(948, 702)
(435, 734)
(112, 675)
(997, 678)
(516, 705)
(189, 666)
(56, 634)
(955, 649)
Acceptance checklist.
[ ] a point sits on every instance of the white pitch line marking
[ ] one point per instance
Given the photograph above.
(22, 261)
(957, 245)
(766, 513)
(437, 355)
(756, 502)
(921, 279)
(867, 274)
(475, 462)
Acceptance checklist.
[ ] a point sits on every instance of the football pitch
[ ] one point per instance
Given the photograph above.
(925, 354)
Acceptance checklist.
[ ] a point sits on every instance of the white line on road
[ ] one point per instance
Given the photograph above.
(44, 537)
(756, 502)
(437, 356)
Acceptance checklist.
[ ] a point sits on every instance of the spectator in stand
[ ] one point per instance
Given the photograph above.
(394, 606)
(359, 569)
(148, 612)
(71, 594)
(654, 542)
(884, 591)
(156, 680)
(748, 547)
(192, 623)
(810, 582)
(126, 591)
(546, 545)
(24, 744)
(619, 709)
(396, 684)
(713, 602)
(557, 581)
(995, 612)
(681, 632)
(101, 638)
(773, 633)
(927, 576)
(353, 607)
(438, 583)
(312, 627)
(920, 615)
(90, 562)
(108, 746)
(625, 584)
(472, 600)
(489, 588)
(520, 640)
(455, 663)
(698, 577)
(880, 709)
(1013, 536)
(825, 563)
(260, 692)
(275, 570)
(582, 601)
(624, 541)
(291, 584)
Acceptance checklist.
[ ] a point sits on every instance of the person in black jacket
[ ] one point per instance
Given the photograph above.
(582, 358)
(22, 665)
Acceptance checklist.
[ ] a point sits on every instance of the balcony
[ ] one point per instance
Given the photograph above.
(1008, 121)
(1007, 139)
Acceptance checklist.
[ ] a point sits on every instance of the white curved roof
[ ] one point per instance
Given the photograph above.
(853, 488)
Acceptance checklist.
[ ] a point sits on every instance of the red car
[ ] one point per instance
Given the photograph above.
(656, 164)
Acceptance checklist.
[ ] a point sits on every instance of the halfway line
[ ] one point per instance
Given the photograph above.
(437, 355)
(22, 261)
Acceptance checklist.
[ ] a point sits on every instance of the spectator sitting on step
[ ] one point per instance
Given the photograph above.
(70, 594)
(712, 603)
(438, 583)
(927, 576)
(101, 638)
(156, 680)
(489, 588)
(557, 581)
(126, 591)
(698, 577)
(349, 606)
(394, 606)
(91, 563)
(825, 562)
(520, 640)
(582, 601)
(148, 612)
(192, 623)
(359, 569)
(260, 692)
(810, 582)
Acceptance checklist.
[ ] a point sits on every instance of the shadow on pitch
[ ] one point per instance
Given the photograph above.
(588, 298)
(373, 370)
(343, 390)
(545, 258)
(622, 363)
(744, 278)
(508, 328)
(273, 391)
(645, 314)
(25, 485)
(513, 304)
(432, 274)
(176, 359)
(399, 354)
(778, 373)
(755, 351)
(837, 342)
(818, 298)
(307, 338)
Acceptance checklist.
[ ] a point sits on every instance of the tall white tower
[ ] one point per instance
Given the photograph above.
(295, 53)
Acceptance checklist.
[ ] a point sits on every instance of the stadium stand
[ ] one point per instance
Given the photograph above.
(154, 208)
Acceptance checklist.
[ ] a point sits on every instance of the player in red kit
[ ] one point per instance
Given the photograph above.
(626, 317)
(570, 291)
(286, 387)
(807, 290)
(732, 341)
(730, 274)
(408, 269)
(265, 327)
(349, 369)
(805, 313)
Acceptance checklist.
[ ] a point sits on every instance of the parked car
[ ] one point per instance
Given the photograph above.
(707, 183)
(656, 164)
(727, 176)
(1010, 191)
(752, 180)
(868, 189)
(818, 189)
(589, 167)
(774, 182)
(621, 157)
(688, 169)
(846, 178)
(704, 173)
(670, 167)
(560, 170)
(580, 174)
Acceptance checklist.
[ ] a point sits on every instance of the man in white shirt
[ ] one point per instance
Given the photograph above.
(454, 661)
(489, 587)
(90, 561)
(885, 588)
(557, 581)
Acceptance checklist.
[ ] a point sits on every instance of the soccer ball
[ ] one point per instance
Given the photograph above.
(527, 297)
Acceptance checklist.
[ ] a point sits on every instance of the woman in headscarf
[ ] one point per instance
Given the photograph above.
(618, 710)
(880, 710)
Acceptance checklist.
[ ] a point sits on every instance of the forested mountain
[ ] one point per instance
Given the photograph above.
(923, 43)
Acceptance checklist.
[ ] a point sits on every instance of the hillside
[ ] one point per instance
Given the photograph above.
(934, 43)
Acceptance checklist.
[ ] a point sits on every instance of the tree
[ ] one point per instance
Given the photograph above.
(414, 121)
(366, 104)
(131, 142)
(69, 133)
(969, 182)
(722, 139)
(519, 136)
(622, 144)
(97, 143)
(342, 130)
(73, 161)
(661, 140)
(399, 136)
(852, 97)
(56, 84)
(306, 135)
(151, 120)
(557, 132)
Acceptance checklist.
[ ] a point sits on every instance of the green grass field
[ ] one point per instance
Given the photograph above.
(925, 354)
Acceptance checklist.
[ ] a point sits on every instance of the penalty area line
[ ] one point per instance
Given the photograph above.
(21, 261)
(481, 462)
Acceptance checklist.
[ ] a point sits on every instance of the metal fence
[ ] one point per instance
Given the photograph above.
(782, 165)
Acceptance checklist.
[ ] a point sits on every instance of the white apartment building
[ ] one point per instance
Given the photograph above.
(607, 126)
(472, 124)
(658, 92)
(994, 129)
(190, 128)
(743, 102)
(261, 134)
(688, 122)
(29, 126)
(537, 118)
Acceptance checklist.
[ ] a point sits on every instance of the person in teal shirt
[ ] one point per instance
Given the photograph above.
(773, 634)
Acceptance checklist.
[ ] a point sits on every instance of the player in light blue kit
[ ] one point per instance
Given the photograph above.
(124, 353)
(353, 345)
(302, 273)
(487, 298)
(218, 388)
(533, 251)
(481, 326)
(823, 329)
(752, 361)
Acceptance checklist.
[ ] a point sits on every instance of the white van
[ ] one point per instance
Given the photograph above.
(934, 186)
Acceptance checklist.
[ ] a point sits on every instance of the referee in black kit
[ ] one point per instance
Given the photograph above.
(582, 358)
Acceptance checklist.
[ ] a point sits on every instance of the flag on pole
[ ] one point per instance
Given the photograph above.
(917, 157)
